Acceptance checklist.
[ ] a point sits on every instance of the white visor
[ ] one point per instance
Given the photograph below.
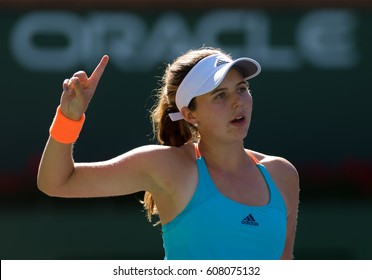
(207, 74)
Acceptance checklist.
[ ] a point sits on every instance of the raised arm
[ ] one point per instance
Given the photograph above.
(60, 176)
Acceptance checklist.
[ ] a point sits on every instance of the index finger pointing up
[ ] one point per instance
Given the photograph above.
(97, 73)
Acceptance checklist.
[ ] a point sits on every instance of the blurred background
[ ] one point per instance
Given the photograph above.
(312, 105)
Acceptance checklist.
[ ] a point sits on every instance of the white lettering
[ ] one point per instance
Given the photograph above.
(324, 39)
(169, 38)
(39, 58)
(119, 34)
(254, 30)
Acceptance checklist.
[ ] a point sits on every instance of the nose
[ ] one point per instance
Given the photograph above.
(239, 100)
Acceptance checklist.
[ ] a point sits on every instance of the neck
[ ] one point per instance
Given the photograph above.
(226, 156)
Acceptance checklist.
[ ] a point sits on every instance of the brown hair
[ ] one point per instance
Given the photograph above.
(168, 132)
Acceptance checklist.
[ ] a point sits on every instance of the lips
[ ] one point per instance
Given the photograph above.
(238, 120)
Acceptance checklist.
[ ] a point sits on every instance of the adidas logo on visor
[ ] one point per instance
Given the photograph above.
(220, 62)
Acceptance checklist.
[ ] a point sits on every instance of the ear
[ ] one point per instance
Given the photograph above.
(188, 115)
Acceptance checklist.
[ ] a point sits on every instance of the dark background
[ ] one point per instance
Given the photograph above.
(311, 105)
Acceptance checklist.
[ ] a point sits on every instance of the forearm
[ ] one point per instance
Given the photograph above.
(56, 166)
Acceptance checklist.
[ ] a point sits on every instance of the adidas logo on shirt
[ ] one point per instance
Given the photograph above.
(249, 220)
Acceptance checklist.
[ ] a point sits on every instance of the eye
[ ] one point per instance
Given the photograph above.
(243, 89)
(220, 95)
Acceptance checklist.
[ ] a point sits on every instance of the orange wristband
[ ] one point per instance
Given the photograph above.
(65, 130)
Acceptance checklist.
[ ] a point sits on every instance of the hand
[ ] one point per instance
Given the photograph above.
(78, 91)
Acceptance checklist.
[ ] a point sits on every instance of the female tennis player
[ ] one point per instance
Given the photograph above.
(215, 199)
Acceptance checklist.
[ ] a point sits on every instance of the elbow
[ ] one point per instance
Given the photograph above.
(46, 188)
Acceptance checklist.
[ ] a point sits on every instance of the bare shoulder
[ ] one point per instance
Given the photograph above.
(161, 154)
(284, 174)
(162, 163)
(277, 165)
(154, 160)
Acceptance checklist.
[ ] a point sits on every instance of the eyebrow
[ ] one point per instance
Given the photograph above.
(222, 89)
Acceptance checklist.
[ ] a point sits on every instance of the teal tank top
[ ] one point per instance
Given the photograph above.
(214, 227)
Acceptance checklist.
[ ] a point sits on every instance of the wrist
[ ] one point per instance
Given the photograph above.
(64, 129)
